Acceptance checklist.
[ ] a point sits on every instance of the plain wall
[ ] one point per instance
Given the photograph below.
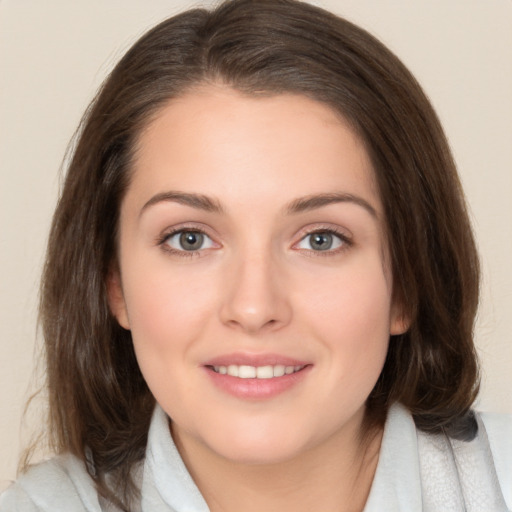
(54, 54)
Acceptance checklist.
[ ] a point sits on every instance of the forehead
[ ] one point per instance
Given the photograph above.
(217, 141)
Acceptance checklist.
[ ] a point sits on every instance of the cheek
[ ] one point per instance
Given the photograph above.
(167, 308)
(168, 312)
(351, 314)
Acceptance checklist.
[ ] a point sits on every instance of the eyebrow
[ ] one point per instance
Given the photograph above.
(199, 201)
(299, 205)
(314, 201)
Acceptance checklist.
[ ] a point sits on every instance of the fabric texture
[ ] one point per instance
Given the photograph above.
(456, 482)
(415, 472)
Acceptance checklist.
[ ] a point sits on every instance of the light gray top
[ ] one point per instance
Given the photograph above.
(62, 484)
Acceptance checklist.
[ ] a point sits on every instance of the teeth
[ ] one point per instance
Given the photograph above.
(233, 370)
(257, 372)
(279, 370)
(264, 372)
(247, 372)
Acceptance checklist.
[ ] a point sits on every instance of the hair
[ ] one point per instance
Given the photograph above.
(99, 404)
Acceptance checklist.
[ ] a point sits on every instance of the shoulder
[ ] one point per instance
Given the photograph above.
(60, 484)
(499, 433)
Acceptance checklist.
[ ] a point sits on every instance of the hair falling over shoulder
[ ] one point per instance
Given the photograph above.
(99, 401)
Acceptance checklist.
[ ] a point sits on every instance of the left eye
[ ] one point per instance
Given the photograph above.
(189, 241)
(320, 241)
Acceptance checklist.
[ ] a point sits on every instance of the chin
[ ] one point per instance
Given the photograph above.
(266, 454)
(258, 446)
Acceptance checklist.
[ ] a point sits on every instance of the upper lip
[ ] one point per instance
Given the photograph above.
(239, 359)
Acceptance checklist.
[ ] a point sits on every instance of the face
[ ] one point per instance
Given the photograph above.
(254, 274)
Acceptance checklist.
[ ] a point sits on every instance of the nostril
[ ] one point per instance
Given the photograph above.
(254, 302)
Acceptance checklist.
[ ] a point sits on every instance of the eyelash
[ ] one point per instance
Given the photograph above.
(346, 242)
(163, 239)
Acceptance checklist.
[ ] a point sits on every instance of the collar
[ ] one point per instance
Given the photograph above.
(167, 485)
(397, 483)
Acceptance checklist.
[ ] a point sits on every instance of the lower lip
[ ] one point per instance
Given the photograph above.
(257, 389)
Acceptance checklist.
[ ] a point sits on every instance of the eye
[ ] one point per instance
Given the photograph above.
(189, 241)
(321, 241)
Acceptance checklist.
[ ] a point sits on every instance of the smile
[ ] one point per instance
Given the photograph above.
(256, 377)
(256, 372)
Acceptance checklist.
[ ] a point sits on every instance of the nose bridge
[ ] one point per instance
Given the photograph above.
(255, 297)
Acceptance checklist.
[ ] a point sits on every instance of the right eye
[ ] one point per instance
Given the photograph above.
(188, 241)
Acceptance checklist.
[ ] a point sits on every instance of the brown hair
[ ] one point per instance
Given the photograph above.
(99, 402)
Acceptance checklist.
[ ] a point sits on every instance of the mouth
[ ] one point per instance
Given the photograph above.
(256, 372)
(256, 377)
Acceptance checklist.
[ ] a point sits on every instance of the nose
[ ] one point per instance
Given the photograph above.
(255, 298)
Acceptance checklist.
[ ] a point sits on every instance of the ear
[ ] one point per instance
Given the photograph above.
(116, 300)
(400, 321)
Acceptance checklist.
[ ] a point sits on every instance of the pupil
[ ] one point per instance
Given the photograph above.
(321, 241)
(191, 241)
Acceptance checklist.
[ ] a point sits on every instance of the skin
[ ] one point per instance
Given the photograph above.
(258, 286)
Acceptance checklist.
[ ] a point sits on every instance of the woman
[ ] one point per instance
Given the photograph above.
(261, 283)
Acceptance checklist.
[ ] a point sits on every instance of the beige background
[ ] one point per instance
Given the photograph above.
(54, 54)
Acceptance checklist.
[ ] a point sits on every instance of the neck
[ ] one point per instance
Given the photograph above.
(334, 476)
